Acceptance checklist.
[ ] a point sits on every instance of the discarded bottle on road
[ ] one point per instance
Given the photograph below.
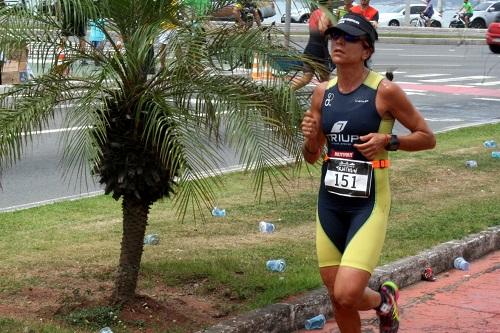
(266, 227)
(495, 154)
(471, 164)
(461, 264)
(489, 144)
(106, 330)
(152, 239)
(218, 212)
(276, 265)
(315, 323)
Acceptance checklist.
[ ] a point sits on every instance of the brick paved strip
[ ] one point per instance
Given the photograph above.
(290, 316)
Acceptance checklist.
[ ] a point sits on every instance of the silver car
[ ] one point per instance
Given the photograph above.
(484, 14)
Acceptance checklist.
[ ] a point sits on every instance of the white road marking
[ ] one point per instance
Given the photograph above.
(444, 119)
(488, 99)
(425, 75)
(459, 86)
(491, 83)
(460, 78)
(431, 55)
(408, 82)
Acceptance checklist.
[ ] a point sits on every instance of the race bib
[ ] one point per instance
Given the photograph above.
(351, 178)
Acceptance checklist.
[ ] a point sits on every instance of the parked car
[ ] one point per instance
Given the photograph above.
(493, 35)
(396, 16)
(300, 15)
(484, 14)
(264, 8)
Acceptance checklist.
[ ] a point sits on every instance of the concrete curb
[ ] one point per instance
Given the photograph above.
(290, 316)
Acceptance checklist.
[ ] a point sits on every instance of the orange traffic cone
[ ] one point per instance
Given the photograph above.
(266, 73)
(256, 68)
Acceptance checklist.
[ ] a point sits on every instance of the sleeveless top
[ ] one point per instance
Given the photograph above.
(344, 119)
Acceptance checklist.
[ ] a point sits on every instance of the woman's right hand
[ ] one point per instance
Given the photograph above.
(309, 126)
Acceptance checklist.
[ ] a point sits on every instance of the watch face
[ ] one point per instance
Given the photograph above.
(393, 143)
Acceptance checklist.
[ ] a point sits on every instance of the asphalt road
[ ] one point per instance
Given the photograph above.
(453, 86)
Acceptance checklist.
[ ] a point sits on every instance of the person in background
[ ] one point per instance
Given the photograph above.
(353, 115)
(428, 12)
(317, 46)
(72, 25)
(97, 37)
(467, 12)
(346, 8)
(369, 12)
(239, 6)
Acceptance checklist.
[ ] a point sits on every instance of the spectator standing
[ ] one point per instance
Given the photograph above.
(346, 8)
(240, 6)
(317, 46)
(73, 24)
(97, 37)
(369, 12)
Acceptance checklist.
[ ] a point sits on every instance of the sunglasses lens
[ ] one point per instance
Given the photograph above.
(348, 38)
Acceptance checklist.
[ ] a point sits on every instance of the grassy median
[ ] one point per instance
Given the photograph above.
(57, 261)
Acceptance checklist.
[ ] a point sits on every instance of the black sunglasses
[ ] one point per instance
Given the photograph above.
(348, 38)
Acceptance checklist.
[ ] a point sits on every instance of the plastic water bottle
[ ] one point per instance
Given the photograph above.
(276, 265)
(152, 239)
(266, 227)
(315, 323)
(471, 164)
(106, 330)
(218, 212)
(461, 264)
(489, 144)
(495, 154)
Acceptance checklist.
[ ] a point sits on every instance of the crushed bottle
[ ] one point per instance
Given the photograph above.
(489, 144)
(276, 265)
(471, 164)
(461, 264)
(315, 323)
(495, 154)
(105, 330)
(216, 211)
(151, 239)
(266, 227)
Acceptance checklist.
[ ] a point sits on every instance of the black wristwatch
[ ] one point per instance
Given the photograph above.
(393, 144)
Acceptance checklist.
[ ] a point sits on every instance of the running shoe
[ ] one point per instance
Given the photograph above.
(388, 311)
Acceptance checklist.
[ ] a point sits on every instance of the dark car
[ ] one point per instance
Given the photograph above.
(493, 35)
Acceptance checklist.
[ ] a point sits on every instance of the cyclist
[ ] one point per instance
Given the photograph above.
(466, 12)
(428, 12)
(238, 10)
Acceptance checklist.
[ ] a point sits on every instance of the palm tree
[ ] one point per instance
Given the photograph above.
(148, 134)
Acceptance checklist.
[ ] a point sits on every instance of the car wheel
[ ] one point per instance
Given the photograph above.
(394, 23)
(304, 19)
(478, 24)
(435, 24)
(495, 48)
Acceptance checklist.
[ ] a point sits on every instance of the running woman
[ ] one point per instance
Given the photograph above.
(353, 114)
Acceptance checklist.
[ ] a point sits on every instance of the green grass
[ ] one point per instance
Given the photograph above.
(74, 245)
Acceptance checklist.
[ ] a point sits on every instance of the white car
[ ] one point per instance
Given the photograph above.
(396, 16)
(484, 14)
(298, 16)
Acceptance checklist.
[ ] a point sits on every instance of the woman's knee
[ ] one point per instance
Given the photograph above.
(345, 299)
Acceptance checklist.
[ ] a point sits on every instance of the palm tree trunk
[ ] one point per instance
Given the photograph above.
(135, 220)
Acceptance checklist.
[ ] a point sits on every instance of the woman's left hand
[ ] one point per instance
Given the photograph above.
(372, 144)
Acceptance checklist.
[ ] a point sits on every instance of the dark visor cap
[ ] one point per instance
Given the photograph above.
(355, 25)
